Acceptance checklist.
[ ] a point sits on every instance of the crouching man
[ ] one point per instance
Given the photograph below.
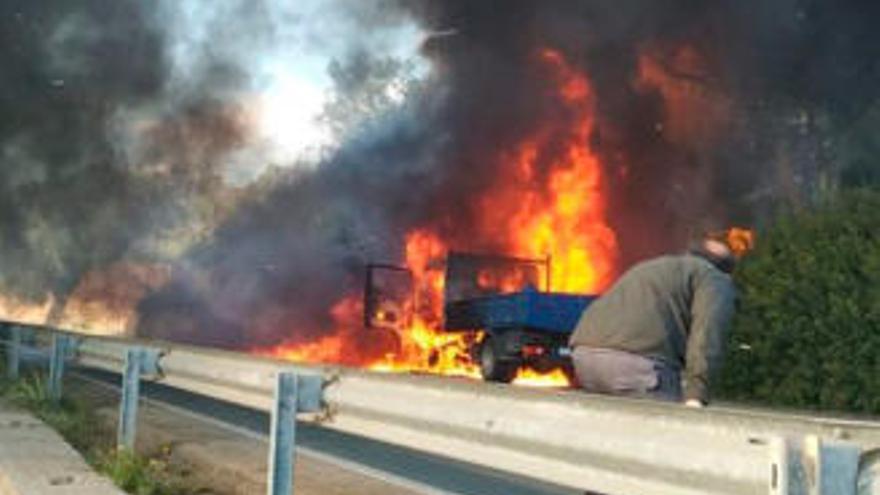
(663, 318)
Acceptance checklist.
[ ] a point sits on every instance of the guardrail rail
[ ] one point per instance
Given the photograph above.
(610, 445)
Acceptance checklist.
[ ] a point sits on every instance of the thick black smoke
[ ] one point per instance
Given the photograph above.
(120, 120)
(108, 154)
(786, 67)
(117, 119)
(68, 204)
(278, 267)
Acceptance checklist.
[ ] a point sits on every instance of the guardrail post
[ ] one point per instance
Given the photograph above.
(292, 394)
(838, 466)
(56, 366)
(283, 435)
(811, 466)
(128, 405)
(138, 361)
(13, 348)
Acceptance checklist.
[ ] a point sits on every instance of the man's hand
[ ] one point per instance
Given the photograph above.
(694, 403)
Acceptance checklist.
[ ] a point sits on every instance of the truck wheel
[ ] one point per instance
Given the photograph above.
(492, 367)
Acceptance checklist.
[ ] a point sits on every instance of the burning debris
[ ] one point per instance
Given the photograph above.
(589, 134)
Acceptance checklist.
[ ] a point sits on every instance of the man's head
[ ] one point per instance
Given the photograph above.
(716, 252)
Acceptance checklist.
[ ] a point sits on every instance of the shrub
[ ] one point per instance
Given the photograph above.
(807, 332)
(137, 474)
(32, 392)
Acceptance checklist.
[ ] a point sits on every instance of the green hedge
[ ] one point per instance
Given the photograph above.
(807, 331)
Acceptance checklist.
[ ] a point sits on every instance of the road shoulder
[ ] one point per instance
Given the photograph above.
(220, 460)
(35, 460)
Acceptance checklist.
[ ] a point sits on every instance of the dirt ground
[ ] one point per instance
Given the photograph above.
(217, 460)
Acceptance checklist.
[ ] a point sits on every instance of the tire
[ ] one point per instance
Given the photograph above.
(492, 367)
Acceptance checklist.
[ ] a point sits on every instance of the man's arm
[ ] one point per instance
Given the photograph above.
(712, 308)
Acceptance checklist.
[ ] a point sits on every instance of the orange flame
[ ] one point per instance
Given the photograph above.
(696, 112)
(566, 221)
(104, 301)
(423, 346)
(559, 214)
(532, 378)
(327, 349)
(740, 240)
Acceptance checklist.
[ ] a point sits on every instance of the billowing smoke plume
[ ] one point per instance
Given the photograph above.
(68, 204)
(131, 130)
(137, 125)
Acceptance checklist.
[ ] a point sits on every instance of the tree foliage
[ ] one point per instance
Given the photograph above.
(807, 332)
(858, 148)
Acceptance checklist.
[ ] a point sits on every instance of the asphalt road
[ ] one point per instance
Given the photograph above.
(442, 475)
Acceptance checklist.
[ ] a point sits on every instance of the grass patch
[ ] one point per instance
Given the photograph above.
(139, 474)
(77, 423)
(71, 419)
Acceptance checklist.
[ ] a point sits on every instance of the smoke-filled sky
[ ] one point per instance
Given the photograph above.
(264, 151)
(128, 128)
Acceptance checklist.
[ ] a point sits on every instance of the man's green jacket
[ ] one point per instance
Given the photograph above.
(674, 308)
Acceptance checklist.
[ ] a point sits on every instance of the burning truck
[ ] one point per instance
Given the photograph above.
(543, 196)
(454, 313)
(502, 304)
(436, 309)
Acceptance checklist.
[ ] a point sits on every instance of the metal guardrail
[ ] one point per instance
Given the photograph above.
(293, 392)
(610, 445)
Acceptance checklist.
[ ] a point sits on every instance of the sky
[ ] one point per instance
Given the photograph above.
(284, 50)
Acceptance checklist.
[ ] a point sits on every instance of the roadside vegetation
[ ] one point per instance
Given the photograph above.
(78, 424)
(807, 331)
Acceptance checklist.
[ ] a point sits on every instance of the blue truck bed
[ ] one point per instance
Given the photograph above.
(543, 311)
